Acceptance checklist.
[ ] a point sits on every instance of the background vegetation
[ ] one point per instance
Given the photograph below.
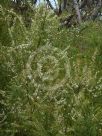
(50, 77)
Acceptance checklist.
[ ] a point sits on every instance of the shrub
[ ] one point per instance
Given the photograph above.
(51, 82)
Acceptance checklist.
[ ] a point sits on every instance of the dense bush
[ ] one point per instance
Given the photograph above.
(50, 78)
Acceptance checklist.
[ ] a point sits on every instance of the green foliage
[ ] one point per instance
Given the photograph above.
(50, 78)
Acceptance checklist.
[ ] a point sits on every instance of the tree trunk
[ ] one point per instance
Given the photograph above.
(76, 6)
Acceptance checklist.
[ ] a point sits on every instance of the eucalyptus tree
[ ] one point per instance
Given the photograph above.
(82, 9)
(77, 10)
